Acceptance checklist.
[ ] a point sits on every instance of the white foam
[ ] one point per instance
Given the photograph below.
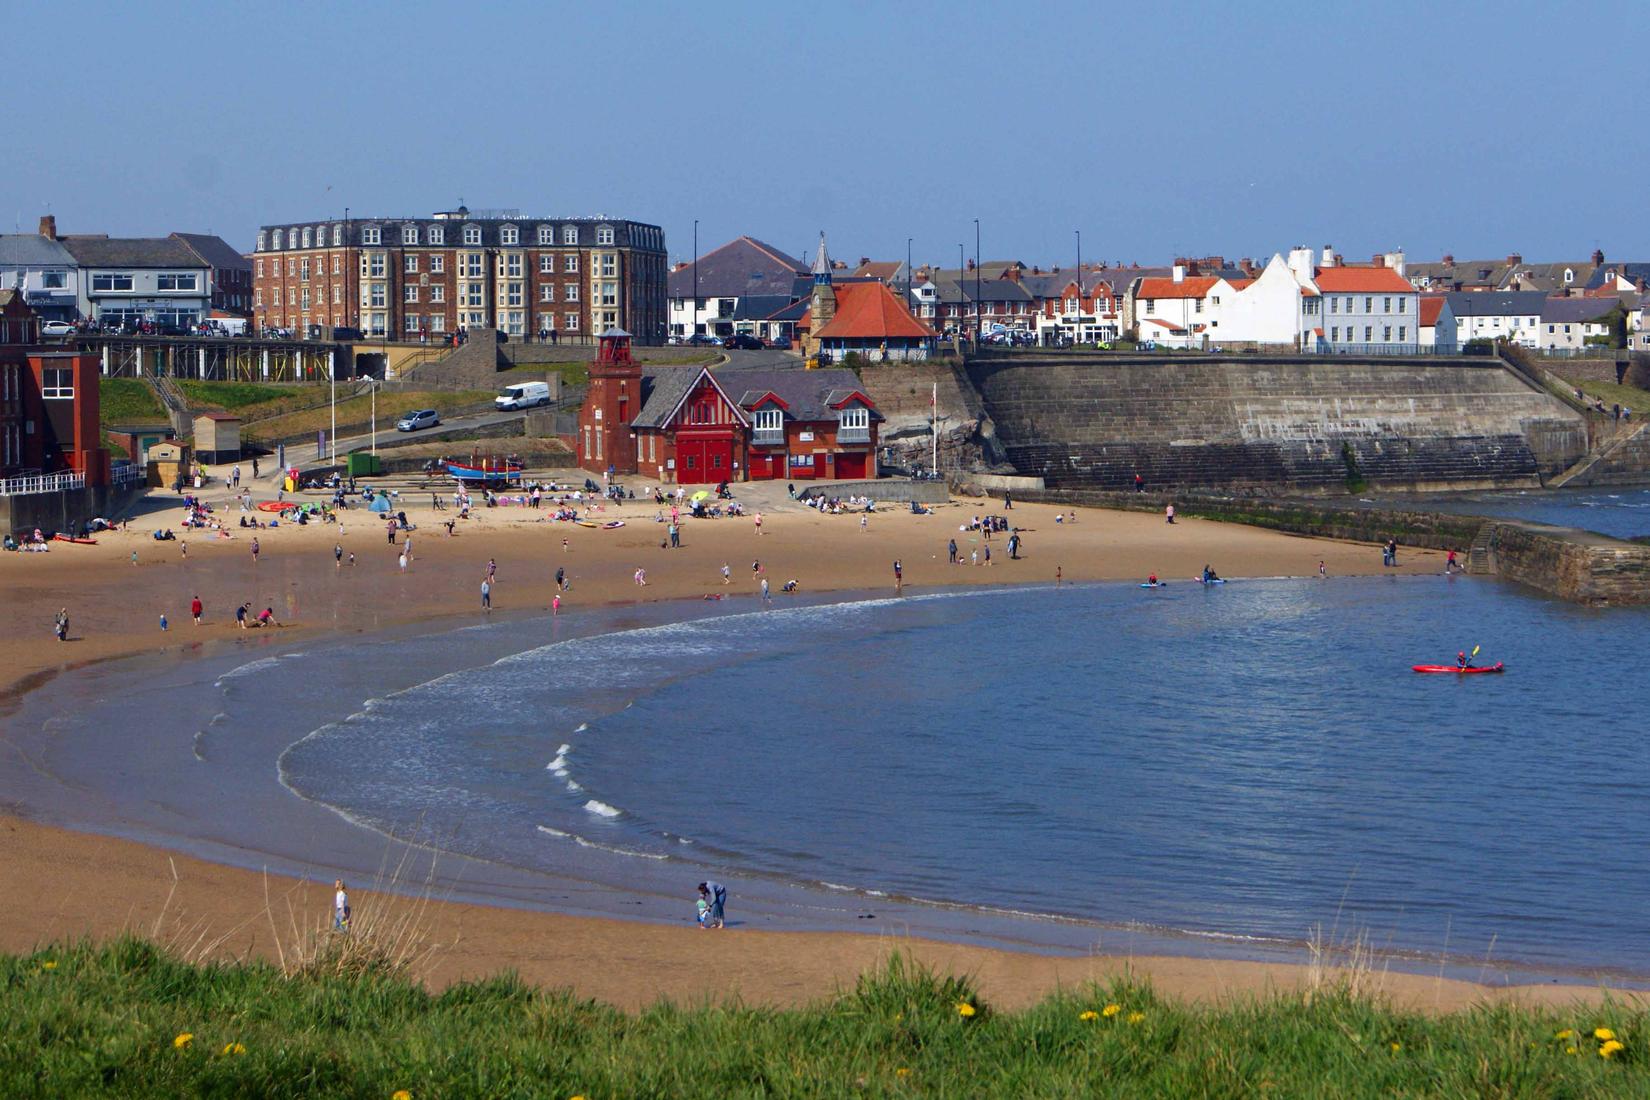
(612, 849)
(600, 809)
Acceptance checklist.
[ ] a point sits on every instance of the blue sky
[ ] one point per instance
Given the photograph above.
(1236, 129)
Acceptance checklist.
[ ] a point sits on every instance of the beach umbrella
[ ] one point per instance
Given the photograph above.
(702, 494)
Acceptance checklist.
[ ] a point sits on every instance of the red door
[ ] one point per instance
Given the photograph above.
(690, 462)
(850, 465)
(719, 461)
(819, 466)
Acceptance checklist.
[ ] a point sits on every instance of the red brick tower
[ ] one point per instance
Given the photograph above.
(610, 404)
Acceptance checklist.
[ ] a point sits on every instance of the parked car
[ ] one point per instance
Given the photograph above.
(704, 340)
(780, 343)
(522, 395)
(56, 328)
(423, 418)
(341, 332)
(743, 341)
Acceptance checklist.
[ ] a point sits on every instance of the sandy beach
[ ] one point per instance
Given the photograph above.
(61, 884)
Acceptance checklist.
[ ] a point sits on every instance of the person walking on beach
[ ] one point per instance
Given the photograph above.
(338, 555)
(716, 895)
(60, 626)
(759, 523)
(240, 615)
(640, 577)
(492, 568)
(1014, 546)
(951, 552)
(726, 579)
(765, 596)
(864, 521)
(1168, 514)
(195, 609)
(235, 477)
(389, 530)
(899, 576)
(486, 594)
(1449, 562)
(340, 907)
(675, 537)
(1059, 575)
(183, 548)
(988, 553)
(254, 549)
(1322, 572)
(974, 556)
(402, 561)
(561, 579)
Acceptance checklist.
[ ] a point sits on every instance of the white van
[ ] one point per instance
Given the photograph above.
(523, 395)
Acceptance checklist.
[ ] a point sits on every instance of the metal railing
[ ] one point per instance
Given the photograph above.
(853, 435)
(768, 437)
(128, 474)
(42, 483)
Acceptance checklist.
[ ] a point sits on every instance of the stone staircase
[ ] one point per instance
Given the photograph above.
(173, 401)
(1478, 554)
(1616, 447)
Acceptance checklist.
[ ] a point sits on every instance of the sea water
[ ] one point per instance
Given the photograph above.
(1237, 763)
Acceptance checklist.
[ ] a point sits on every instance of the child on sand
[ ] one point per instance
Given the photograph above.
(702, 908)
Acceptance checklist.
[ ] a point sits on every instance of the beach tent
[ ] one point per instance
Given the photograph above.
(380, 503)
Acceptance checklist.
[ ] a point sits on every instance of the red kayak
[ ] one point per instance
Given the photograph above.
(1471, 670)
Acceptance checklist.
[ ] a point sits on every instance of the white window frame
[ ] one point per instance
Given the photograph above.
(472, 234)
(855, 416)
(570, 234)
(436, 235)
(604, 234)
(371, 234)
(547, 234)
(509, 234)
(438, 265)
(409, 263)
(570, 263)
(547, 263)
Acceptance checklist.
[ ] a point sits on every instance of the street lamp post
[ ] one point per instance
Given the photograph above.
(962, 315)
(908, 273)
(1077, 326)
(976, 282)
(693, 322)
(372, 384)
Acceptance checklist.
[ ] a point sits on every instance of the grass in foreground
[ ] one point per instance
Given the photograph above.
(130, 1020)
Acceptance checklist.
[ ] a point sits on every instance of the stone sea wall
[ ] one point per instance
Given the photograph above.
(1576, 565)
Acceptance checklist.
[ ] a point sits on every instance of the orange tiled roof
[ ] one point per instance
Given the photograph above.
(1193, 286)
(870, 311)
(1360, 280)
(1431, 307)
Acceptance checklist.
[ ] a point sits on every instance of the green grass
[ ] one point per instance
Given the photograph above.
(355, 413)
(237, 395)
(104, 1021)
(128, 401)
(1611, 394)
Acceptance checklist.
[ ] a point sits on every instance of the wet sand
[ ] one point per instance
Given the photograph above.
(60, 884)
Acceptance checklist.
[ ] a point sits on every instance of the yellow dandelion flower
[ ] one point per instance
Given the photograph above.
(1567, 1033)
(1569, 1050)
(1603, 1034)
(1396, 1046)
(183, 1039)
(902, 1072)
(233, 1048)
(1111, 1010)
(400, 1094)
(49, 964)
(1610, 1047)
(965, 1010)
(1089, 1015)
(1136, 1017)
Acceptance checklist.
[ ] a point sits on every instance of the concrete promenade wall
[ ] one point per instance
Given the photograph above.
(888, 489)
(65, 511)
(1257, 422)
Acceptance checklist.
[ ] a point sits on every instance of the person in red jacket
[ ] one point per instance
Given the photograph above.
(195, 609)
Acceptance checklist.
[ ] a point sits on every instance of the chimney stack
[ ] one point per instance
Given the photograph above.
(1180, 272)
(1328, 257)
(1514, 259)
(1598, 257)
(1449, 260)
(48, 227)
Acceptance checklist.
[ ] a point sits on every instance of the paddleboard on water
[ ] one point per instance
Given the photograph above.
(1159, 584)
(1217, 580)
(1470, 671)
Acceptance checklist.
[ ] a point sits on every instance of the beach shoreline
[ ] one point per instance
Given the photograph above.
(1100, 546)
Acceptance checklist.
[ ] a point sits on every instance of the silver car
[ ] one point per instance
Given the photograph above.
(424, 418)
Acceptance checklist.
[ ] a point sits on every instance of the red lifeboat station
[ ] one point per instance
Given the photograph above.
(691, 426)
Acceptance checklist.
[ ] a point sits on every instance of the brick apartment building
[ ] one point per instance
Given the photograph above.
(423, 278)
(48, 402)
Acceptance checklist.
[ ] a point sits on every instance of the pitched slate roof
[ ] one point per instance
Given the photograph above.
(214, 250)
(877, 269)
(33, 250)
(665, 388)
(1487, 274)
(131, 252)
(742, 266)
(1361, 280)
(807, 394)
(1632, 272)
(1506, 303)
(870, 311)
(1576, 311)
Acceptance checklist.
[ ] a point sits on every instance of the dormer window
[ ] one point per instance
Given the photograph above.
(436, 235)
(306, 236)
(409, 234)
(547, 235)
(261, 240)
(1569, 276)
(768, 420)
(604, 234)
(372, 234)
(569, 234)
(280, 237)
(337, 234)
(472, 234)
(509, 235)
(855, 416)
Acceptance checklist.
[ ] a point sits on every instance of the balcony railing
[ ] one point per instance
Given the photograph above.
(42, 483)
(128, 473)
(768, 437)
(853, 435)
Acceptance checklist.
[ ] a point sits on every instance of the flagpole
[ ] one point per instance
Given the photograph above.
(934, 413)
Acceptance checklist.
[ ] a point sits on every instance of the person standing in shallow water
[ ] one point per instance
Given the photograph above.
(716, 895)
(340, 907)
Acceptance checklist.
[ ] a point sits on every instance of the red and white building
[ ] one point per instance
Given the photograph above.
(48, 402)
(691, 426)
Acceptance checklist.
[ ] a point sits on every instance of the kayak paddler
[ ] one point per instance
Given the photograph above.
(1152, 579)
(1462, 660)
